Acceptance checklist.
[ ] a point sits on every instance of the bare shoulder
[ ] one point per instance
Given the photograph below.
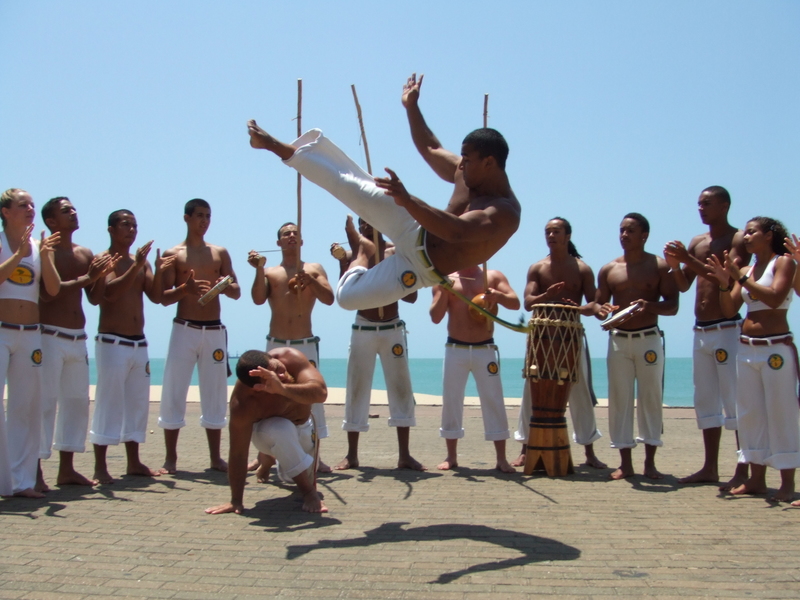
(82, 251)
(699, 239)
(584, 269)
(174, 250)
(496, 276)
(314, 268)
(661, 264)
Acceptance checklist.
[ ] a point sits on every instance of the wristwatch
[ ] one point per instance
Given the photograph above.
(743, 278)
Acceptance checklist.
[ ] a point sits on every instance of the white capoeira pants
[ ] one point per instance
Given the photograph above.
(320, 161)
(581, 409)
(483, 361)
(206, 347)
(122, 397)
(767, 404)
(635, 357)
(291, 445)
(714, 373)
(310, 348)
(387, 340)
(21, 422)
(65, 386)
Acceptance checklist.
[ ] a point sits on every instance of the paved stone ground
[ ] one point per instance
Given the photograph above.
(470, 533)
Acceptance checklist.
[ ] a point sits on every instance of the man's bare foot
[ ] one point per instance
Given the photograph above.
(28, 493)
(103, 477)
(748, 487)
(322, 467)
(313, 503)
(73, 478)
(142, 470)
(262, 473)
(784, 494)
(41, 485)
(449, 463)
(621, 474)
(170, 467)
(219, 465)
(594, 462)
(409, 462)
(735, 482)
(262, 140)
(253, 464)
(347, 463)
(796, 503)
(504, 467)
(651, 472)
(519, 461)
(704, 475)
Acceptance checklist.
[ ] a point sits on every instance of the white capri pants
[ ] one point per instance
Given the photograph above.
(714, 373)
(21, 425)
(635, 357)
(483, 361)
(581, 408)
(310, 349)
(388, 340)
(65, 384)
(767, 405)
(291, 445)
(206, 347)
(320, 161)
(122, 400)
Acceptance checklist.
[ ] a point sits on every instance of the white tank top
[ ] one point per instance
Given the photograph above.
(753, 303)
(23, 283)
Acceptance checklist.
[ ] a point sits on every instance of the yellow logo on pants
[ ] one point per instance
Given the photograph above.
(721, 355)
(408, 278)
(36, 356)
(219, 355)
(775, 361)
(492, 368)
(397, 350)
(650, 357)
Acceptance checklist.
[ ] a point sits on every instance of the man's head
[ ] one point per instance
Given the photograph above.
(482, 152)
(16, 206)
(713, 204)
(253, 359)
(558, 234)
(633, 231)
(197, 215)
(288, 235)
(59, 215)
(122, 227)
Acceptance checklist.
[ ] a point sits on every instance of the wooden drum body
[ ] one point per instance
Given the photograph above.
(551, 367)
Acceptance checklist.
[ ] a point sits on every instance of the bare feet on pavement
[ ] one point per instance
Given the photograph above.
(449, 463)
(219, 465)
(74, 478)
(621, 474)
(504, 467)
(313, 503)
(519, 461)
(749, 487)
(409, 462)
(704, 475)
(141, 470)
(103, 477)
(28, 493)
(592, 461)
(347, 463)
(651, 472)
(323, 468)
(253, 464)
(170, 467)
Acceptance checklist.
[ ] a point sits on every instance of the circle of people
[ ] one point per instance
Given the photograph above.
(745, 369)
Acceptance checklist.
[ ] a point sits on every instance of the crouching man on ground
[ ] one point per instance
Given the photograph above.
(271, 405)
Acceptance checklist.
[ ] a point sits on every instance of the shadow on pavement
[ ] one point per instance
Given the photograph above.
(533, 548)
(285, 515)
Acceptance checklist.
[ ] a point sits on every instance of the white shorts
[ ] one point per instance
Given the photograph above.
(388, 340)
(320, 161)
(206, 347)
(20, 430)
(767, 405)
(635, 357)
(483, 361)
(310, 348)
(714, 372)
(291, 445)
(65, 384)
(122, 397)
(581, 407)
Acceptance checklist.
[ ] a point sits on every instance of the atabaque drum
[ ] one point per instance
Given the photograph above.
(551, 367)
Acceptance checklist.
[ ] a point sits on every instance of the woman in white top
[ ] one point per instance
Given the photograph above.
(767, 406)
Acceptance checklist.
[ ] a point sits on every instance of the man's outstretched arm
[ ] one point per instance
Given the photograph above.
(443, 162)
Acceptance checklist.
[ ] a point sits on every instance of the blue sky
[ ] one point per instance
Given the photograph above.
(607, 107)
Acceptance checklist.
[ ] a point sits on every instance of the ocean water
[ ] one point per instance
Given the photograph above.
(426, 377)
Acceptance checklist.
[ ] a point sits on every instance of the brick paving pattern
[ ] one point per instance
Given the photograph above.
(467, 534)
